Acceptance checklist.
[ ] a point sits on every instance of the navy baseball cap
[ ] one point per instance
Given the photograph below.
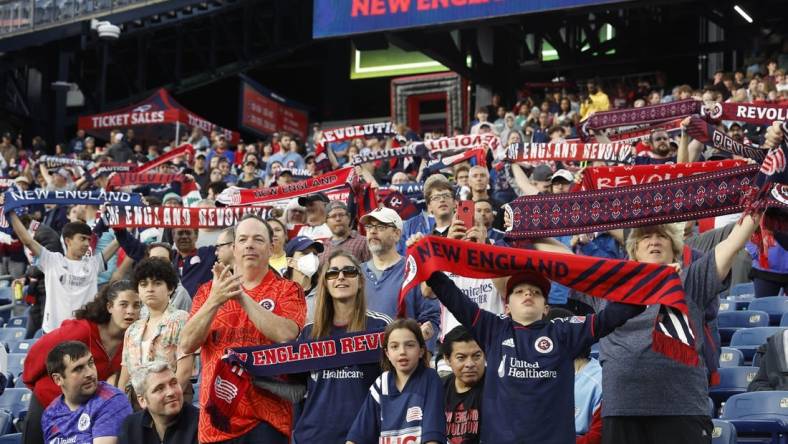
(301, 243)
(534, 278)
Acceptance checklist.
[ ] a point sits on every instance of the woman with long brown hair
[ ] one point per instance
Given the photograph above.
(340, 307)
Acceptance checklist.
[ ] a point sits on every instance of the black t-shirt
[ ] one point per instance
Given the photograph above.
(463, 412)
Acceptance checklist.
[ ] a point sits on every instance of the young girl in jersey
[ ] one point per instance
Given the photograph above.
(340, 307)
(405, 404)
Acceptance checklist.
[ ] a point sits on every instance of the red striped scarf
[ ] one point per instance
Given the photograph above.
(612, 279)
(185, 149)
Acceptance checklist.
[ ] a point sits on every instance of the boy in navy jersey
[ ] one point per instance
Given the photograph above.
(530, 361)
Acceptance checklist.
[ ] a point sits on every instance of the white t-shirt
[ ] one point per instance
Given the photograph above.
(481, 291)
(69, 285)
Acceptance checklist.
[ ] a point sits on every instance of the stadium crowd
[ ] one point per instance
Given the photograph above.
(136, 320)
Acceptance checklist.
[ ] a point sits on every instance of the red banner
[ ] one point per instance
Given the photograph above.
(264, 114)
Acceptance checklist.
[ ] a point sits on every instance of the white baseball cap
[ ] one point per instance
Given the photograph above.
(384, 215)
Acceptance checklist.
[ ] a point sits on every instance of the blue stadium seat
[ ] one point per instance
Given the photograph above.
(784, 320)
(595, 350)
(13, 438)
(724, 432)
(733, 380)
(711, 408)
(6, 423)
(17, 321)
(758, 416)
(196, 399)
(39, 333)
(743, 288)
(747, 340)
(727, 305)
(22, 346)
(774, 305)
(11, 334)
(731, 357)
(15, 365)
(729, 322)
(16, 401)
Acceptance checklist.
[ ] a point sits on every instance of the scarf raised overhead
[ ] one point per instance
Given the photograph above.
(242, 196)
(185, 149)
(755, 113)
(178, 217)
(234, 371)
(708, 134)
(386, 154)
(122, 179)
(609, 152)
(342, 134)
(686, 198)
(476, 156)
(611, 279)
(54, 161)
(600, 178)
(640, 116)
(451, 145)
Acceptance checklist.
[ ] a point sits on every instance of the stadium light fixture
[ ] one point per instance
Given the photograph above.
(742, 13)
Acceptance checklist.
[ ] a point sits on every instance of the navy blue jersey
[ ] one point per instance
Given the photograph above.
(529, 382)
(414, 415)
(335, 395)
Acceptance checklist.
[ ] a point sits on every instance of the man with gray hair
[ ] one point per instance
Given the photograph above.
(165, 418)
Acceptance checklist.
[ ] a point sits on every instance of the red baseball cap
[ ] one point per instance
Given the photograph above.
(528, 277)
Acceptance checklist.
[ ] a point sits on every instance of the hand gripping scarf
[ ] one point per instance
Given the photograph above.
(686, 198)
(611, 279)
(234, 371)
(126, 216)
(601, 178)
(366, 131)
(242, 196)
(166, 157)
(609, 152)
(709, 135)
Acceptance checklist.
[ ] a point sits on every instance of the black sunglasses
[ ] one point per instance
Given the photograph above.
(349, 272)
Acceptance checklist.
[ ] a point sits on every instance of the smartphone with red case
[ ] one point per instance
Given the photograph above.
(465, 212)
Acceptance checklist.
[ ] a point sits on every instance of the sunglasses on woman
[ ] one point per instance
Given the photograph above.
(349, 272)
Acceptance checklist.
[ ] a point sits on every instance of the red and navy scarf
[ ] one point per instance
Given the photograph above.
(455, 144)
(342, 134)
(578, 152)
(386, 154)
(686, 198)
(646, 115)
(476, 156)
(235, 370)
(124, 179)
(708, 134)
(242, 196)
(127, 216)
(183, 150)
(611, 279)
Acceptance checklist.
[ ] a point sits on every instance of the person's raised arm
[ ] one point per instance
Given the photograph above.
(522, 181)
(551, 245)
(274, 327)
(45, 173)
(224, 287)
(23, 235)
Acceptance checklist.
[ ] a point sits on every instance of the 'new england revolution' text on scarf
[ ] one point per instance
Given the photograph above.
(233, 372)
(342, 134)
(609, 152)
(611, 279)
(242, 196)
(179, 217)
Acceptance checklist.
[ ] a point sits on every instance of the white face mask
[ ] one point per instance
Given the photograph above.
(308, 264)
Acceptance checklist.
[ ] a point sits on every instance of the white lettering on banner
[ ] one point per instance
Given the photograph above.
(463, 142)
(761, 112)
(613, 152)
(39, 193)
(342, 374)
(349, 132)
(149, 117)
(180, 217)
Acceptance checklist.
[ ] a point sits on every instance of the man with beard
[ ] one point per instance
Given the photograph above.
(385, 272)
(89, 410)
(660, 153)
(165, 418)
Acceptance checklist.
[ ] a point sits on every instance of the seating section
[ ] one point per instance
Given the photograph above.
(774, 305)
(749, 339)
(16, 402)
(733, 380)
(729, 322)
(16, 363)
(12, 438)
(745, 288)
(758, 416)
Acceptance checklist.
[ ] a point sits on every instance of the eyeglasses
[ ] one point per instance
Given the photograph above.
(377, 227)
(348, 272)
(441, 196)
(223, 244)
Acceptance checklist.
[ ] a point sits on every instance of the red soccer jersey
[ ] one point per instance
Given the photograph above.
(232, 328)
